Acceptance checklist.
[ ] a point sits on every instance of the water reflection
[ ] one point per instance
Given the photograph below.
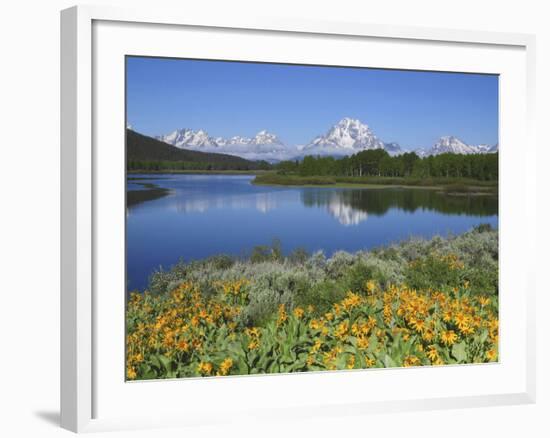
(347, 206)
(262, 202)
(351, 206)
(197, 216)
(344, 213)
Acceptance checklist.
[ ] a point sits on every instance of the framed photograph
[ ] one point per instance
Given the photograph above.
(268, 217)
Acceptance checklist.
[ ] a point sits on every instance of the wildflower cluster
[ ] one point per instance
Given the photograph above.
(188, 333)
(182, 333)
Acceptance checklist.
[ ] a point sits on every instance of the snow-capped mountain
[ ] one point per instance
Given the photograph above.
(487, 149)
(264, 137)
(188, 139)
(263, 146)
(348, 136)
(453, 145)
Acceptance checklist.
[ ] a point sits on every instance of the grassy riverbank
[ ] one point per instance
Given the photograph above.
(451, 185)
(420, 302)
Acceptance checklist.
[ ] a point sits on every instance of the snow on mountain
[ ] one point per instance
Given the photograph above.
(264, 137)
(453, 145)
(188, 139)
(484, 148)
(263, 146)
(348, 136)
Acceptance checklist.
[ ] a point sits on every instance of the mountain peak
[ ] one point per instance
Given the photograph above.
(264, 145)
(266, 138)
(346, 137)
(453, 145)
(348, 121)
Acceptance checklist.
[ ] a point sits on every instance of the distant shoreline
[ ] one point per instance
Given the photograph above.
(451, 186)
(196, 172)
(455, 186)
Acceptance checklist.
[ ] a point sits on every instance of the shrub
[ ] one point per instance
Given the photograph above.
(434, 272)
(321, 281)
(298, 256)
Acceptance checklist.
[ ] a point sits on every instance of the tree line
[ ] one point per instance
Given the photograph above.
(160, 165)
(377, 162)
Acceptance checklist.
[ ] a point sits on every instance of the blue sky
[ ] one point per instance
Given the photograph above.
(300, 102)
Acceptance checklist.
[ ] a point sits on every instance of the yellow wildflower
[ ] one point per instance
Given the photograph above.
(317, 346)
(411, 361)
(484, 301)
(225, 366)
(428, 335)
(449, 337)
(282, 316)
(131, 373)
(432, 353)
(341, 330)
(352, 300)
(182, 345)
(417, 324)
(204, 368)
(371, 322)
(315, 324)
(491, 354)
(362, 343)
(370, 286)
(462, 320)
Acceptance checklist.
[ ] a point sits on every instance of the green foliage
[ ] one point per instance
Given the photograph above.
(185, 333)
(298, 256)
(298, 279)
(434, 271)
(265, 253)
(378, 163)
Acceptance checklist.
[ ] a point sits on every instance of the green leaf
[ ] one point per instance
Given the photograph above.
(483, 336)
(389, 362)
(459, 352)
(164, 361)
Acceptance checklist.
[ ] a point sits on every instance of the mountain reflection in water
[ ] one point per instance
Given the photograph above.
(196, 216)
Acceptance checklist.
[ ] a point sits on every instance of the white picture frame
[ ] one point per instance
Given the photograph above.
(90, 393)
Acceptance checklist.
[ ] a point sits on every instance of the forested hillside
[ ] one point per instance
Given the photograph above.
(148, 154)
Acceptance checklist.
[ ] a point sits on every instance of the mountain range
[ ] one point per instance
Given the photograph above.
(451, 144)
(346, 137)
(263, 146)
(140, 148)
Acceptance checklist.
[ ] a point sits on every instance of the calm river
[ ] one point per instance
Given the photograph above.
(173, 217)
